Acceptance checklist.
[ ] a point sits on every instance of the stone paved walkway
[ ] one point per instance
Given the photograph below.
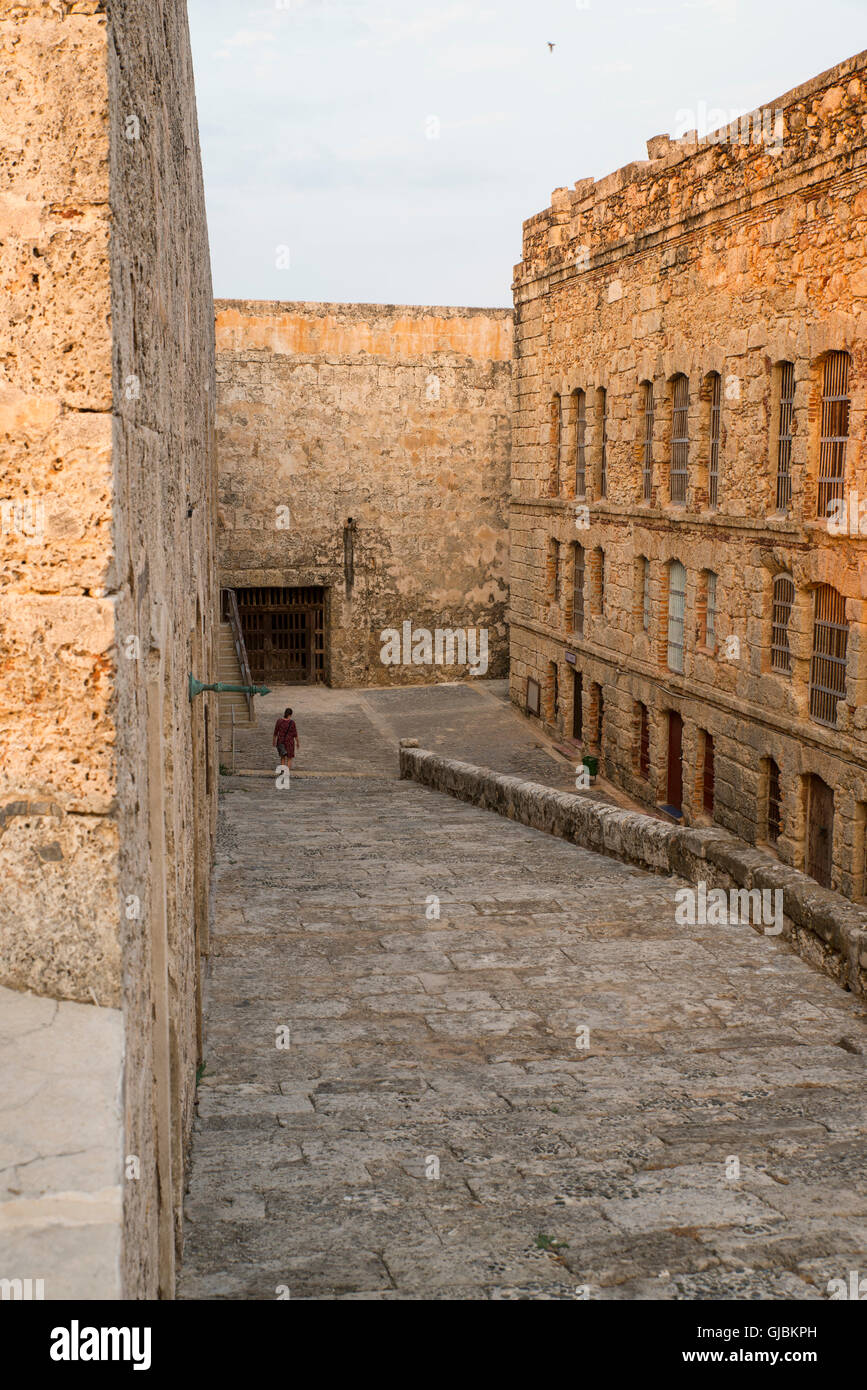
(419, 1046)
(357, 730)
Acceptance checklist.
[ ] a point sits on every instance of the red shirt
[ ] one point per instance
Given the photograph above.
(285, 732)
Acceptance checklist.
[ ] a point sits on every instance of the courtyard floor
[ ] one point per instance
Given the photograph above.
(398, 1105)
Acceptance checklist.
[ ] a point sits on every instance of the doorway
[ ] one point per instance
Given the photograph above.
(284, 633)
(577, 711)
(675, 760)
(820, 830)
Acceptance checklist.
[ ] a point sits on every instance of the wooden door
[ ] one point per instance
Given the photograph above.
(284, 633)
(675, 760)
(820, 830)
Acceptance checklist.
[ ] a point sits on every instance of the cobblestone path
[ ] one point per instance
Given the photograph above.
(420, 1047)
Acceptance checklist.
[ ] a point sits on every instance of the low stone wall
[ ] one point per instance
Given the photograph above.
(825, 929)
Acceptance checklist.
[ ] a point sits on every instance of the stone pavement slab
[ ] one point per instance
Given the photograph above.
(435, 1126)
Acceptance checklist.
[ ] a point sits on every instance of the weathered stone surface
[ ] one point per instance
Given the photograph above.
(716, 858)
(396, 417)
(107, 571)
(414, 1037)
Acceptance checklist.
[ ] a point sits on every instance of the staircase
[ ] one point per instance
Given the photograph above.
(231, 703)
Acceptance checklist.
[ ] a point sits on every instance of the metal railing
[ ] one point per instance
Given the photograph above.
(230, 612)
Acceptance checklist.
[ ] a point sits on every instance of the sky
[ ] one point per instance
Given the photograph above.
(386, 151)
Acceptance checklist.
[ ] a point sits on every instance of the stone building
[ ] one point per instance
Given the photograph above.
(363, 486)
(688, 552)
(107, 604)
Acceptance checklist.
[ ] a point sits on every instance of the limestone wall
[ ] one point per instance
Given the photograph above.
(107, 594)
(732, 257)
(394, 417)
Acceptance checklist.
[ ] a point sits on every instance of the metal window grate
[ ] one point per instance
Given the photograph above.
(784, 436)
(600, 717)
(580, 444)
(835, 430)
(708, 775)
(828, 664)
(578, 591)
(603, 431)
(713, 459)
(647, 469)
(679, 439)
(775, 806)
(784, 598)
(676, 611)
(710, 612)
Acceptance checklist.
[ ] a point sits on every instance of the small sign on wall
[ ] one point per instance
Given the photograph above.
(534, 692)
(571, 658)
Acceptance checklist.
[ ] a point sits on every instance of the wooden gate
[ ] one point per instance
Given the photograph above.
(820, 830)
(284, 633)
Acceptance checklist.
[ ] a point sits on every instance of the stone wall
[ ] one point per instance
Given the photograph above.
(365, 449)
(725, 258)
(827, 931)
(107, 588)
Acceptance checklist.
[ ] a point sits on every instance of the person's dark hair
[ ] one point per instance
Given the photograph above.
(287, 714)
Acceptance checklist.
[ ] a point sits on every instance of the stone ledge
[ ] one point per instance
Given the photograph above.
(824, 928)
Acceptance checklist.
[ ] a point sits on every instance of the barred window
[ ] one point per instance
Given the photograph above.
(784, 435)
(602, 399)
(784, 598)
(775, 803)
(647, 469)
(834, 430)
(828, 664)
(713, 457)
(578, 591)
(679, 439)
(580, 444)
(676, 612)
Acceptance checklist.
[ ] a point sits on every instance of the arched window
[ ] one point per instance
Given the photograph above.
(679, 471)
(828, 664)
(715, 385)
(834, 430)
(580, 403)
(676, 613)
(786, 377)
(602, 407)
(707, 610)
(578, 590)
(784, 597)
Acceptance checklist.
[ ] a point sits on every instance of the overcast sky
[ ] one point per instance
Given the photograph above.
(388, 151)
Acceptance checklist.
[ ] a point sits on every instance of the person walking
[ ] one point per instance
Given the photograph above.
(286, 738)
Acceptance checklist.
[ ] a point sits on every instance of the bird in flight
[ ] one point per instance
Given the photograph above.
(551, 47)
